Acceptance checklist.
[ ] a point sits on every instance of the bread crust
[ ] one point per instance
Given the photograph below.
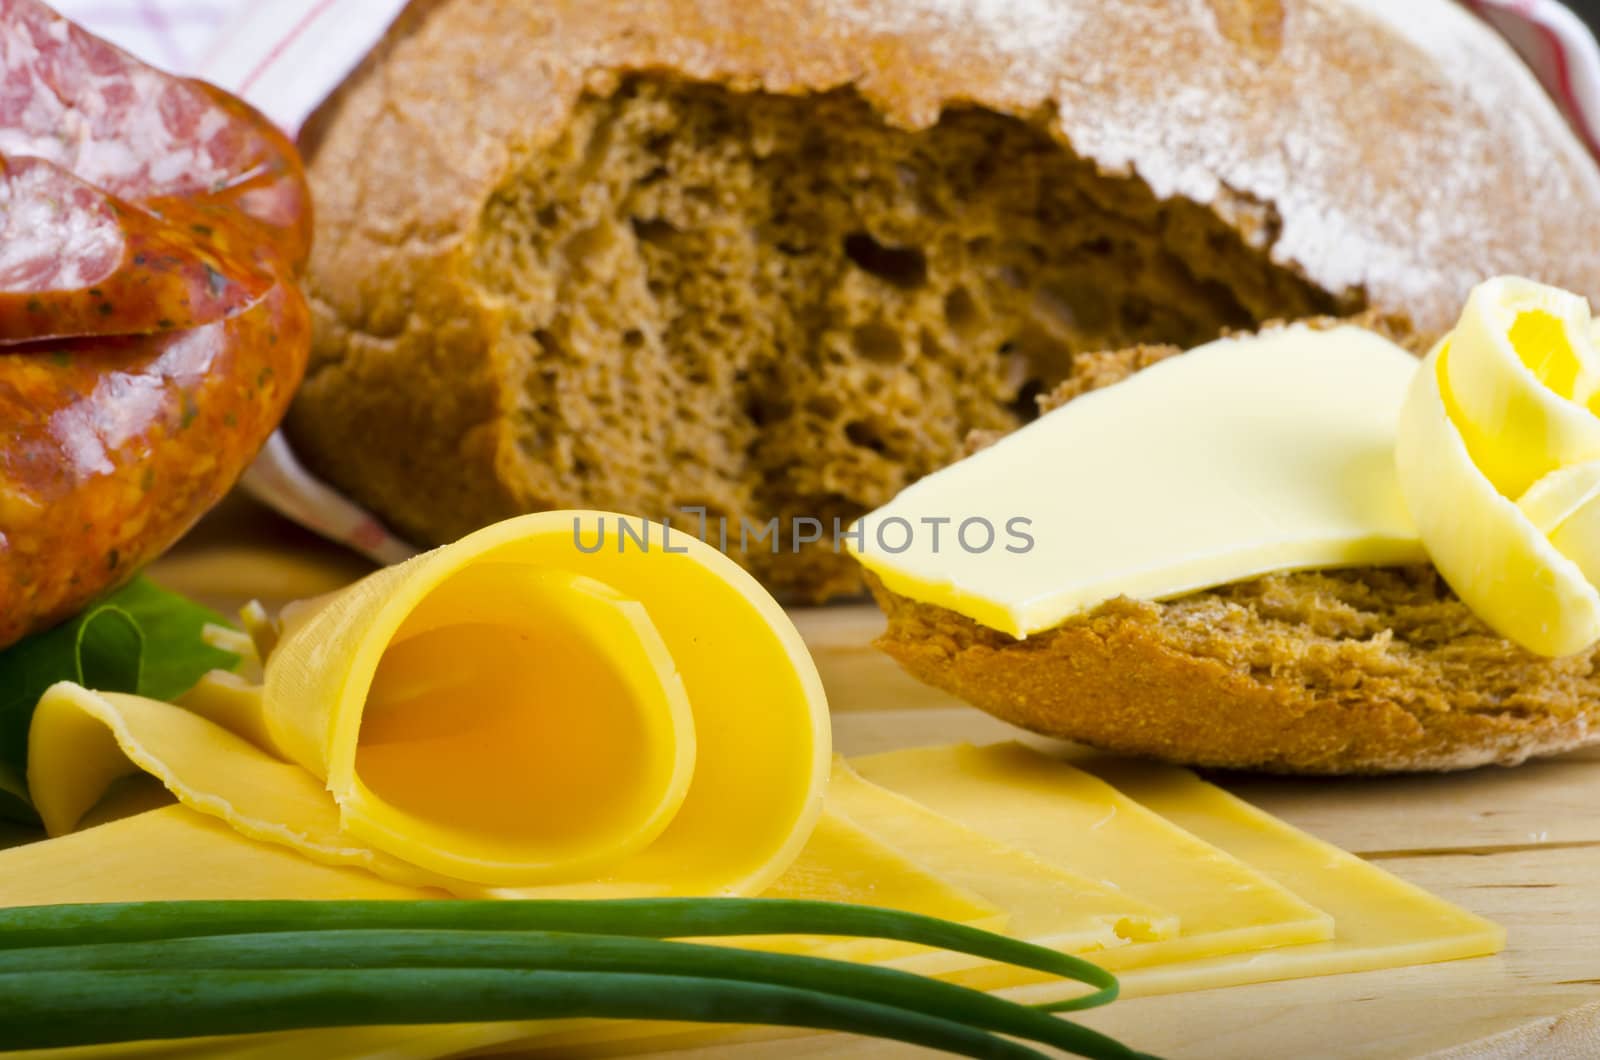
(1351, 672)
(1397, 150)
(1388, 155)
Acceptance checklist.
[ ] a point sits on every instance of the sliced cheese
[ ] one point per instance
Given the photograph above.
(1244, 456)
(1071, 819)
(1045, 904)
(759, 774)
(1050, 813)
(424, 1042)
(845, 863)
(175, 854)
(1380, 920)
(82, 741)
(520, 713)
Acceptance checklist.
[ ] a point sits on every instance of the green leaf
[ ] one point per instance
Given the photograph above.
(140, 639)
(110, 650)
(175, 656)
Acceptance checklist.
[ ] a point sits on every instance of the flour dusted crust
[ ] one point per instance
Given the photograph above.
(1245, 159)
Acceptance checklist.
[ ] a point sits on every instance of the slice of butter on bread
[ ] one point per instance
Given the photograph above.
(1360, 670)
(1247, 455)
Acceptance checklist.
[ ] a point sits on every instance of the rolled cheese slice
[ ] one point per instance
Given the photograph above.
(1499, 461)
(547, 706)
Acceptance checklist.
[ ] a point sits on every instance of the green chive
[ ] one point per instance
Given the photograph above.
(93, 974)
(558, 951)
(68, 925)
(55, 1009)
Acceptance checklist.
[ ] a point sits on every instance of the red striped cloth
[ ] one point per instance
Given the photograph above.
(285, 56)
(1562, 52)
(167, 33)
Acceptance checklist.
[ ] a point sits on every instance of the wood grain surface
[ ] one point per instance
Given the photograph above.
(1521, 846)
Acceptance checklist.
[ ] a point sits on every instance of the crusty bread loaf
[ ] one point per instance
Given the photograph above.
(1353, 671)
(777, 259)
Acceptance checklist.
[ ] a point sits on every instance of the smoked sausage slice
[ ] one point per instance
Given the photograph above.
(152, 230)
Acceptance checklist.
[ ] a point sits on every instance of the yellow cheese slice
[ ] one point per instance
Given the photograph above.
(425, 1042)
(759, 774)
(1076, 821)
(174, 854)
(81, 741)
(1380, 921)
(334, 1043)
(1045, 904)
(844, 862)
(1244, 456)
(512, 715)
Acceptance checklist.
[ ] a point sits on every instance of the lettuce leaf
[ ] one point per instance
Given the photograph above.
(140, 639)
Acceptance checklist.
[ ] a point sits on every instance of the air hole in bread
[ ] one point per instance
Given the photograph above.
(902, 266)
(824, 406)
(864, 434)
(961, 312)
(878, 342)
(652, 230)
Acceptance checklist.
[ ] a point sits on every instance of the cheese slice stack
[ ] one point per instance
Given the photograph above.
(1144, 868)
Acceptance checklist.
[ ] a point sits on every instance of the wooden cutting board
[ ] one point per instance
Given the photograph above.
(1521, 846)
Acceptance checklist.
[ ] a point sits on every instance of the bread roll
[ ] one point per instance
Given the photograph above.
(1365, 670)
(777, 259)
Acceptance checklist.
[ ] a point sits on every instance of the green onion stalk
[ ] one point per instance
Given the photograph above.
(94, 974)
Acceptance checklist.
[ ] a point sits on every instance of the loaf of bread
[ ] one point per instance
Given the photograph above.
(1368, 670)
(777, 259)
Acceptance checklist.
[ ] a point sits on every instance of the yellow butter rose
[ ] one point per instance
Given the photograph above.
(1499, 461)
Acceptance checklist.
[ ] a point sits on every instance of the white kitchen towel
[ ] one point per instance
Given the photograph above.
(286, 56)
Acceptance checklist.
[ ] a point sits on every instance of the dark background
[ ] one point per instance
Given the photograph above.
(1589, 9)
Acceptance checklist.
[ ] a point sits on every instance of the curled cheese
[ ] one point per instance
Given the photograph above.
(1498, 455)
(508, 715)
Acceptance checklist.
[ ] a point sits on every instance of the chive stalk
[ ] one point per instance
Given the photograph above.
(556, 951)
(95, 974)
(69, 925)
(54, 1009)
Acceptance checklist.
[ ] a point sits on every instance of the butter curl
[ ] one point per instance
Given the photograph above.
(1498, 455)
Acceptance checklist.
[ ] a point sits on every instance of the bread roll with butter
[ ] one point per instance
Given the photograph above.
(774, 259)
(1364, 670)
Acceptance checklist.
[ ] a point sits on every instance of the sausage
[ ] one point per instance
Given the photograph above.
(152, 230)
